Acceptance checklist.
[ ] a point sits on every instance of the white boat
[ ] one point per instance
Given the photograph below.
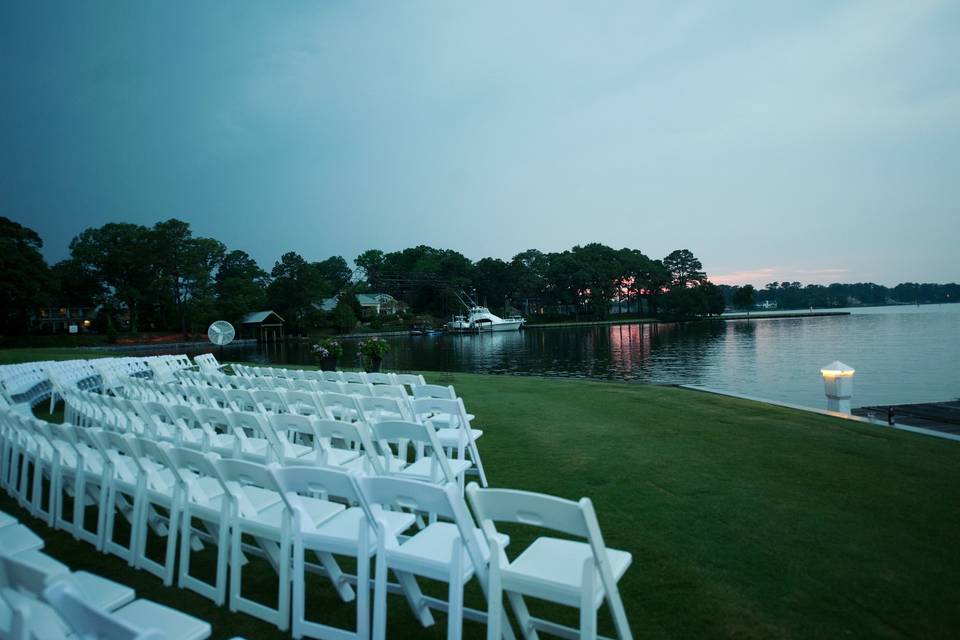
(480, 319)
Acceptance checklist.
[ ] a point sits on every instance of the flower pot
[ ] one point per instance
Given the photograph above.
(328, 364)
(373, 364)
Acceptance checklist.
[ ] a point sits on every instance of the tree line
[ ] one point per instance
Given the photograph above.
(794, 295)
(164, 278)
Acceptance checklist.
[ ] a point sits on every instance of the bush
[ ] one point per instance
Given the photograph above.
(343, 317)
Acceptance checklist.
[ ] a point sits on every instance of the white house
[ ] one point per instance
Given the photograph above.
(373, 304)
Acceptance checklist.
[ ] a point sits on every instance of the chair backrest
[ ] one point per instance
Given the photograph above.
(358, 388)
(241, 399)
(329, 482)
(443, 501)
(379, 409)
(191, 465)
(248, 425)
(451, 411)
(376, 377)
(304, 384)
(354, 435)
(354, 377)
(330, 386)
(269, 400)
(183, 413)
(340, 406)
(434, 391)
(303, 402)
(157, 454)
(396, 391)
(90, 621)
(524, 507)
(399, 432)
(411, 380)
(213, 418)
(28, 576)
(241, 473)
(332, 376)
(216, 396)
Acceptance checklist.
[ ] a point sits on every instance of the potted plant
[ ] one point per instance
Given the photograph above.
(326, 353)
(371, 353)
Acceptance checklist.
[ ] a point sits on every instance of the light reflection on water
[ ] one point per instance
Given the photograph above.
(901, 354)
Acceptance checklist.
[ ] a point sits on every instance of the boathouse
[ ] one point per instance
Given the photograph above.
(264, 326)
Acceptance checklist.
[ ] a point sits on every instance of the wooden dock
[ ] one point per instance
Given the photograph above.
(937, 416)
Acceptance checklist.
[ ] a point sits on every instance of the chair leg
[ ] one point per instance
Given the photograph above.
(455, 593)
(283, 597)
(299, 589)
(523, 616)
(380, 590)
(494, 595)
(588, 610)
(363, 581)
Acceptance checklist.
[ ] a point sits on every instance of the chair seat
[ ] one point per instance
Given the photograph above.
(454, 437)
(427, 469)
(144, 614)
(6, 520)
(270, 519)
(430, 551)
(102, 592)
(18, 538)
(340, 533)
(552, 569)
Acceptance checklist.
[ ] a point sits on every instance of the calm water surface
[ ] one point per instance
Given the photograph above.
(901, 354)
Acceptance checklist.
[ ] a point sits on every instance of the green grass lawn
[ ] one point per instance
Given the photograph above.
(29, 354)
(744, 520)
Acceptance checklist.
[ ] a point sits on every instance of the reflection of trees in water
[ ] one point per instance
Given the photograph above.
(648, 352)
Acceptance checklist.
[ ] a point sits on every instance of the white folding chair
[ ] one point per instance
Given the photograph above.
(162, 489)
(348, 533)
(568, 572)
(392, 438)
(260, 510)
(450, 419)
(125, 493)
(204, 498)
(139, 620)
(451, 549)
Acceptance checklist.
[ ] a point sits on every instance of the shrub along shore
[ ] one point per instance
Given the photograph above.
(744, 519)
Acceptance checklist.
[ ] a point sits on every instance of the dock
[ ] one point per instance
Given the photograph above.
(936, 416)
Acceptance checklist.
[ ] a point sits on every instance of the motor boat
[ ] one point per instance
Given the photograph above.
(480, 319)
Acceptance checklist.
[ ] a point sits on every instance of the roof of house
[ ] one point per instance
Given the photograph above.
(371, 299)
(259, 316)
(365, 300)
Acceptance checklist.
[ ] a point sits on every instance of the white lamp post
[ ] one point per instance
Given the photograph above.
(838, 385)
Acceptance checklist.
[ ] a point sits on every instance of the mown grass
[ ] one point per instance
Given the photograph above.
(744, 520)
(29, 354)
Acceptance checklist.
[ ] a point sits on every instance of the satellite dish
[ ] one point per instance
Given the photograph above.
(221, 333)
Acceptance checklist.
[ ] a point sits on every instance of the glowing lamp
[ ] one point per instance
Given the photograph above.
(838, 385)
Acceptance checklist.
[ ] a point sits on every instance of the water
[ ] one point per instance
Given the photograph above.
(901, 354)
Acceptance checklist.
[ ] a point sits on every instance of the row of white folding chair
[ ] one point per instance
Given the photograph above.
(274, 400)
(146, 489)
(448, 415)
(257, 436)
(408, 379)
(532, 568)
(44, 599)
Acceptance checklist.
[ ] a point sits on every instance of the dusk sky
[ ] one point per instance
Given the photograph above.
(810, 141)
